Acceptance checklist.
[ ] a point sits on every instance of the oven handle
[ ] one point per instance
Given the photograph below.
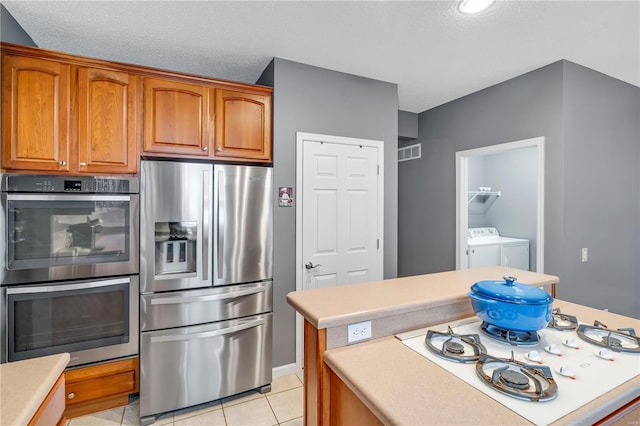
(66, 287)
(206, 334)
(195, 299)
(67, 197)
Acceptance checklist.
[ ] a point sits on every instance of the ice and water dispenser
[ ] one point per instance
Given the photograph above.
(176, 247)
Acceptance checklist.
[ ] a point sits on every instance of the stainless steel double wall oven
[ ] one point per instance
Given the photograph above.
(70, 263)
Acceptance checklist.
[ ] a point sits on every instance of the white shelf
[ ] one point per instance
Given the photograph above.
(482, 196)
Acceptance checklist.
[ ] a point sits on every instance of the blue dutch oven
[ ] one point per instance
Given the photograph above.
(511, 305)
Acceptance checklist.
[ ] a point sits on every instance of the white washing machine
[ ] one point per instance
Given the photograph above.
(487, 248)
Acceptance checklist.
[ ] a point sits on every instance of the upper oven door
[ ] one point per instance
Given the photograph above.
(56, 237)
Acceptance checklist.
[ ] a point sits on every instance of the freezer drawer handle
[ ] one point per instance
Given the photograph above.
(205, 334)
(195, 299)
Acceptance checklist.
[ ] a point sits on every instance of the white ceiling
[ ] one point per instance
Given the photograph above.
(434, 53)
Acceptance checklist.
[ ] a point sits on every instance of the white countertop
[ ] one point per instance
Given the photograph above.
(25, 384)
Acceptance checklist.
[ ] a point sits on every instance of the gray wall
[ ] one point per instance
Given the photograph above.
(407, 125)
(590, 124)
(524, 107)
(11, 31)
(316, 100)
(602, 144)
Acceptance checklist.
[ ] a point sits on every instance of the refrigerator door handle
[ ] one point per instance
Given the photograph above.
(220, 205)
(206, 334)
(205, 225)
(196, 299)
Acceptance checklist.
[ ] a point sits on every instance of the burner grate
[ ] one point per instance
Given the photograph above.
(517, 379)
(620, 340)
(561, 321)
(512, 337)
(465, 348)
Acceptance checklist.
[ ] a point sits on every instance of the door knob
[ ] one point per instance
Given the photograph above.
(310, 265)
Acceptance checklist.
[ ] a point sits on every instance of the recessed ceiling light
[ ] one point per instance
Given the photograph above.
(474, 6)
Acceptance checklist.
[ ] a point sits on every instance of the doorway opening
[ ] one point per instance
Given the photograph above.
(504, 160)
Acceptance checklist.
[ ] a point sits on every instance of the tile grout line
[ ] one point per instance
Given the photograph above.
(274, 413)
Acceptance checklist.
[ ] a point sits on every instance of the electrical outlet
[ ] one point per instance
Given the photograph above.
(358, 331)
(585, 254)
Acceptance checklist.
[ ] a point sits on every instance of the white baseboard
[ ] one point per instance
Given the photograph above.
(283, 370)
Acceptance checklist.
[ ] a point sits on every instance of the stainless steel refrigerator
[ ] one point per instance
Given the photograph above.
(206, 249)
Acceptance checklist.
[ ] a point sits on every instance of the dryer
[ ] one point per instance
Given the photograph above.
(487, 248)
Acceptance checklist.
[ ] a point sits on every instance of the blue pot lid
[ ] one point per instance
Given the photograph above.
(508, 290)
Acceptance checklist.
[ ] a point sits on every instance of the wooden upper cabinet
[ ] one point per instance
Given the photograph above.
(243, 126)
(177, 118)
(107, 121)
(35, 107)
(67, 114)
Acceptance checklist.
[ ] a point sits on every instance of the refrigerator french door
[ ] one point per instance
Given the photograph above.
(206, 283)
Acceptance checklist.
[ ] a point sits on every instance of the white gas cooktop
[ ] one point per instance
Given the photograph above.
(592, 374)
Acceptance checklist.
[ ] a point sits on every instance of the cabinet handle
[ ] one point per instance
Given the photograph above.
(219, 149)
(205, 148)
(83, 164)
(62, 163)
(71, 395)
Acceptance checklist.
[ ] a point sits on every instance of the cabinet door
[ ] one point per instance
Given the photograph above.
(177, 117)
(243, 126)
(107, 121)
(35, 105)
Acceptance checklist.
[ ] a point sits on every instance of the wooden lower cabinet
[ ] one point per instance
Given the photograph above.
(345, 408)
(100, 387)
(51, 410)
(315, 344)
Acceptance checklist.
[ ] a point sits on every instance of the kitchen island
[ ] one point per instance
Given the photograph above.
(32, 391)
(387, 382)
(382, 381)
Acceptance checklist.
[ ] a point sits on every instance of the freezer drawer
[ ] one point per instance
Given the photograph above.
(192, 365)
(189, 307)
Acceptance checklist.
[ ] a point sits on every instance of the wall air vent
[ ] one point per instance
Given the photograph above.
(410, 152)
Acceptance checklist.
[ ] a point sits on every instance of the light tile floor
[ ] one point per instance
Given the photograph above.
(281, 406)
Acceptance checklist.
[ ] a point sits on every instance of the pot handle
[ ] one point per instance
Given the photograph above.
(509, 280)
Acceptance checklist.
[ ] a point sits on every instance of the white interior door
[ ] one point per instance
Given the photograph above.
(339, 217)
(339, 229)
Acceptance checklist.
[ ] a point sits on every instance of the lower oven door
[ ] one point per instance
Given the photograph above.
(186, 366)
(92, 320)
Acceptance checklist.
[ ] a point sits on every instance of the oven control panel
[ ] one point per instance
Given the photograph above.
(69, 184)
